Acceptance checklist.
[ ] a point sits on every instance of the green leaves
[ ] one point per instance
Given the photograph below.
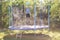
(5, 14)
(55, 13)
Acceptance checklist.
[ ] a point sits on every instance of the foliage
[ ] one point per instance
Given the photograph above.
(0, 14)
(54, 11)
(5, 14)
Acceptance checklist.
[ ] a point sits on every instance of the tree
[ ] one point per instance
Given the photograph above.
(55, 11)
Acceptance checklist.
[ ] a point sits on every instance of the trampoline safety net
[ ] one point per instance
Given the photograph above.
(28, 17)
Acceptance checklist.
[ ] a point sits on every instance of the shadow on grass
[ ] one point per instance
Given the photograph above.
(55, 27)
(28, 37)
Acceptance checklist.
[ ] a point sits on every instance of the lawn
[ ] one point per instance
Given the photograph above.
(29, 35)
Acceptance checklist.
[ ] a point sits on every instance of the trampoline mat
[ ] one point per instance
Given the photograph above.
(27, 27)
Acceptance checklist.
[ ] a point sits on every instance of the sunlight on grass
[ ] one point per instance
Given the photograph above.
(16, 31)
(53, 35)
(2, 34)
(28, 32)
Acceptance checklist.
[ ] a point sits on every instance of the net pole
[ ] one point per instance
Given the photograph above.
(49, 16)
(10, 15)
(49, 6)
(34, 16)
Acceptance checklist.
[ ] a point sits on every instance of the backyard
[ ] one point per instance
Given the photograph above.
(27, 12)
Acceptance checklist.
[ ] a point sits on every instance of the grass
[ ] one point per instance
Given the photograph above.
(8, 34)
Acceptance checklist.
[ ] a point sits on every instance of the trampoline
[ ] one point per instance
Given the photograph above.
(17, 15)
(29, 18)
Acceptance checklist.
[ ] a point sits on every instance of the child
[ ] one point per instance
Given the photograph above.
(27, 12)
